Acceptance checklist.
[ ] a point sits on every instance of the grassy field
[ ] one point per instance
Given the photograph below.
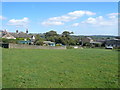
(0, 68)
(80, 68)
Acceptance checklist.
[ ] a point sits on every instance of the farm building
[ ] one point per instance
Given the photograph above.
(49, 43)
(27, 38)
(113, 42)
(8, 36)
(0, 33)
(87, 40)
(95, 43)
(21, 34)
(25, 41)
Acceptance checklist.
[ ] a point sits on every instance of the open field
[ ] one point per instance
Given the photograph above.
(80, 68)
(0, 67)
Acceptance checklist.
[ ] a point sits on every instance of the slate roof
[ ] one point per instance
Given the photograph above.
(89, 38)
(9, 36)
(21, 35)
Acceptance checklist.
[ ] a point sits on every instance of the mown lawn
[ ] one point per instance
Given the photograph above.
(80, 68)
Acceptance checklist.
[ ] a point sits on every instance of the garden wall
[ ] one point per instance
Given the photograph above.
(25, 46)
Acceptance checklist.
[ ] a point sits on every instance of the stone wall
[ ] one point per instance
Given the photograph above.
(25, 46)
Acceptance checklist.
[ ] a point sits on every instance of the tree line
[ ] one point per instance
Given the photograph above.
(65, 38)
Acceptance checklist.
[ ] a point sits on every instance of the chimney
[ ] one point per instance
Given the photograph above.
(17, 31)
(26, 30)
(5, 31)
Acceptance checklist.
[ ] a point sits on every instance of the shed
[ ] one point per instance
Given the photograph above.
(49, 43)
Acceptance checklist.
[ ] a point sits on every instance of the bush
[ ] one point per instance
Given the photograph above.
(58, 44)
(9, 40)
(70, 47)
(39, 42)
(19, 38)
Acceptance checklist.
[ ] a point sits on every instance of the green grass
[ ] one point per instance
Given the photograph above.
(80, 68)
(0, 68)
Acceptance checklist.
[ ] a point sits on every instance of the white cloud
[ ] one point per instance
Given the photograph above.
(2, 18)
(91, 20)
(19, 22)
(52, 23)
(75, 24)
(98, 21)
(81, 13)
(112, 15)
(60, 20)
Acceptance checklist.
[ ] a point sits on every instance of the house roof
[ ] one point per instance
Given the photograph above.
(96, 42)
(9, 36)
(47, 42)
(21, 35)
(89, 38)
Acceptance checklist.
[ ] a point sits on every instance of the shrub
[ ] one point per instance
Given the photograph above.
(19, 38)
(9, 40)
(58, 44)
(70, 47)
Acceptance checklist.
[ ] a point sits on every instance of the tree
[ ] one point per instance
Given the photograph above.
(66, 33)
(52, 39)
(108, 37)
(51, 33)
(38, 40)
(37, 37)
(66, 39)
(118, 37)
(51, 36)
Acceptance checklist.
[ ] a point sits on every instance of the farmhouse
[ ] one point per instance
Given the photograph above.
(8, 36)
(24, 38)
(113, 42)
(21, 34)
(95, 43)
(12, 35)
(2, 33)
(87, 40)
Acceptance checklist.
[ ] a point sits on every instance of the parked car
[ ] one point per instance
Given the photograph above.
(109, 47)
